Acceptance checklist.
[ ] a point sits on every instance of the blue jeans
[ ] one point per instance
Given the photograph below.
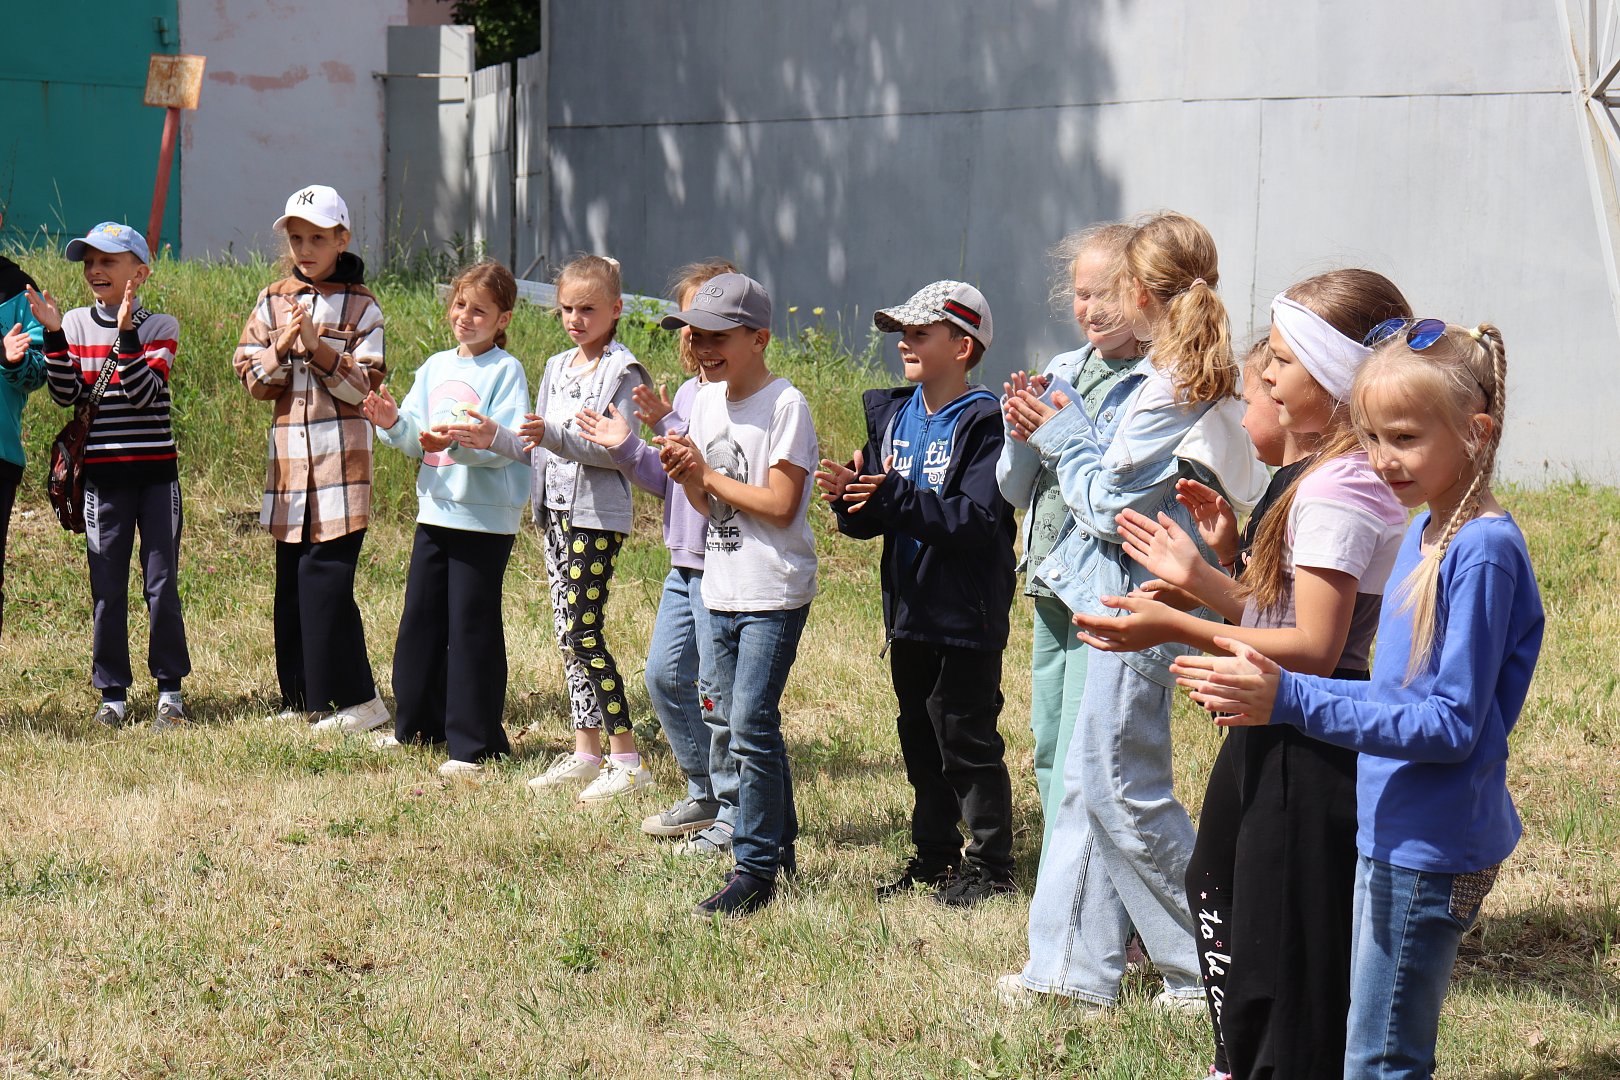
(1402, 948)
(1057, 681)
(745, 667)
(681, 627)
(1120, 846)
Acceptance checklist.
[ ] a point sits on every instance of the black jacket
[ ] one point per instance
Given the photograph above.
(959, 589)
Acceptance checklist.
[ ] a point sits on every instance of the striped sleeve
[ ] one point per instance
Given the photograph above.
(256, 362)
(62, 370)
(145, 358)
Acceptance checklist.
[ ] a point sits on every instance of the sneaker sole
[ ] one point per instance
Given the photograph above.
(353, 728)
(611, 795)
(652, 829)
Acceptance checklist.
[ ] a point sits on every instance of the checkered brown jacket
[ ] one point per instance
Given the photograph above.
(320, 443)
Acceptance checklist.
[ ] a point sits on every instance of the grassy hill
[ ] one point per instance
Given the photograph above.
(245, 900)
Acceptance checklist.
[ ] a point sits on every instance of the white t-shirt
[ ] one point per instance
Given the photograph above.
(569, 392)
(749, 565)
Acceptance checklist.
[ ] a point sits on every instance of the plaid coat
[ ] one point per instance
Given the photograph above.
(320, 443)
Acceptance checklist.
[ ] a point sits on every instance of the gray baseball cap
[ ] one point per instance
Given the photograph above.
(725, 302)
(944, 301)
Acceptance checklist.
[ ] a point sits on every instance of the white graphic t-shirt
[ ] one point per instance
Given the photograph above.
(748, 564)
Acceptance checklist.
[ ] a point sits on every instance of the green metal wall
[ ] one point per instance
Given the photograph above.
(76, 145)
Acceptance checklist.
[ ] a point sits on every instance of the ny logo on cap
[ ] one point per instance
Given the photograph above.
(306, 197)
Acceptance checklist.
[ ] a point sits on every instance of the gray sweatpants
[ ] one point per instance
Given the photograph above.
(112, 515)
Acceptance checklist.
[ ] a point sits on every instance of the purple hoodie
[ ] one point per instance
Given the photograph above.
(684, 527)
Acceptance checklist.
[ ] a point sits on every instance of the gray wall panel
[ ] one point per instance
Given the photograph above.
(846, 154)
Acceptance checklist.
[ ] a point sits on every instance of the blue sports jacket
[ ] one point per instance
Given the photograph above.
(959, 590)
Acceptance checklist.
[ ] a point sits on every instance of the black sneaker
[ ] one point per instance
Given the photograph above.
(974, 885)
(917, 873)
(742, 894)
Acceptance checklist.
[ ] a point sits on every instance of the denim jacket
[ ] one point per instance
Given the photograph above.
(1126, 457)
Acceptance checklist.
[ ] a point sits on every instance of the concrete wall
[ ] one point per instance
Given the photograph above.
(847, 154)
(289, 99)
(427, 181)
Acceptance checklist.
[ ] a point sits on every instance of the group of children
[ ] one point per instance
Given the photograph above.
(1357, 811)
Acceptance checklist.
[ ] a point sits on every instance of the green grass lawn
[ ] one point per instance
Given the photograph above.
(246, 900)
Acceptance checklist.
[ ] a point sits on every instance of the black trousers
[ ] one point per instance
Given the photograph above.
(113, 515)
(450, 659)
(10, 477)
(949, 701)
(321, 658)
(1271, 885)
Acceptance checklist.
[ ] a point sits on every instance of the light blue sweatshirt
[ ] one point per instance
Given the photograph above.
(463, 488)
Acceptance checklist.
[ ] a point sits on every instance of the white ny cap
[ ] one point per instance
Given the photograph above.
(317, 204)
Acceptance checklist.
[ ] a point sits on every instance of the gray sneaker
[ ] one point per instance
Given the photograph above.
(171, 716)
(714, 840)
(110, 715)
(686, 817)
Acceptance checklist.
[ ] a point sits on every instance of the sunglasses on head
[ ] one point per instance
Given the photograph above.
(1421, 333)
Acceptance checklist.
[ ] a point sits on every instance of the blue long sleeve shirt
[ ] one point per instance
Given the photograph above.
(1431, 783)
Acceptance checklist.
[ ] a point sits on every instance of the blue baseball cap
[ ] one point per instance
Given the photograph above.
(110, 236)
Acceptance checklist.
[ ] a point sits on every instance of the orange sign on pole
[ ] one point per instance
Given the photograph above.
(172, 83)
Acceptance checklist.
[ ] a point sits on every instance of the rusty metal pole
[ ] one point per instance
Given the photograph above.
(160, 193)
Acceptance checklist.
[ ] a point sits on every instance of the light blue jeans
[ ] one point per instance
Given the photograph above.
(681, 628)
(1119, 851)
(745, 668)
(1403, 945)
(1057, 681)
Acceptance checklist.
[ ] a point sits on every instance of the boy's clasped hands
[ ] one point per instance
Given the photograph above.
(847, 484)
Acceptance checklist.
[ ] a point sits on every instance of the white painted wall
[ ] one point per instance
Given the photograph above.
(289, 99)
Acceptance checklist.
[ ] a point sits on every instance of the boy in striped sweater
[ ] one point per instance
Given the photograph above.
(132, 480)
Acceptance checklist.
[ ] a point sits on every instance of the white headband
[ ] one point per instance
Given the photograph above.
(1330, 357)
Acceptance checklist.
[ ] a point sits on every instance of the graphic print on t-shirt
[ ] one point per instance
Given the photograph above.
(448, 404)
(725, 457)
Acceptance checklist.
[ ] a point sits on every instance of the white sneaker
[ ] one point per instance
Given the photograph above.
(1012, 991)
(566, 769)
(615, 780)
(464, 769)
(385, 742)
(1180, 1004)
(366, 716)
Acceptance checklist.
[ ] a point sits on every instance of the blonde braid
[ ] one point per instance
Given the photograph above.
(1421, 589)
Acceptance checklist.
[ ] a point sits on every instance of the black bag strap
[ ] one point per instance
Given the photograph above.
(99, 390)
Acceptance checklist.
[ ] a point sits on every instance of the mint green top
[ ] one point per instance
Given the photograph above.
(463, 488)
(1087, 371)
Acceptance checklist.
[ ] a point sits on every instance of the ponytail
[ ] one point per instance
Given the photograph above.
(1173, 258)
(1196, 345)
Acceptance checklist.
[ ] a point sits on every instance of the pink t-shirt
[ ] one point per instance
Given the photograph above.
(1343, 518)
